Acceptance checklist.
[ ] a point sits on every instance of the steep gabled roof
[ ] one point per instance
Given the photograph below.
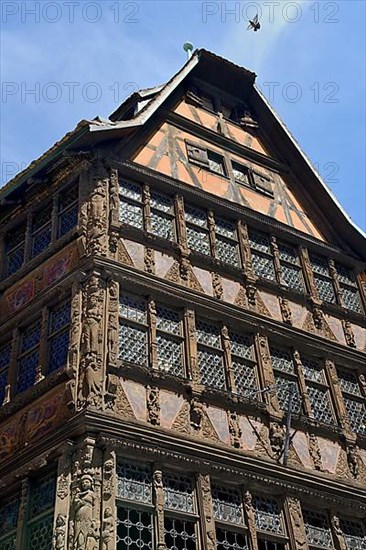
(221, 73)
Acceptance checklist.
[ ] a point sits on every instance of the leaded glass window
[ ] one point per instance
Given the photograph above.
(317, 390)
(322, 278)
(348, 288)
(28, 357)
(134, 482)
(9, 510)
(162, 215)
(243, 365)
(226, 242)
(133, 330)
(135, 529)
(178, 493)
(264, 544)
(197, 230)
(180, 533)
(14, 250)
(58, 336)
(261, 253)
(227, 505)
(231, 540)
(353, 400)
(286, 379)
(131, 207)
(268, 515)
(169, 340)
(41, 230)
(210, 355)
(354, 535)
(39, 526)
(5, 350)
(68, 203)
(290, 267)
(241, 174)
(317, 528)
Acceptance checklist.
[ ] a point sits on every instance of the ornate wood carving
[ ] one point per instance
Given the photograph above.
(348, 334)
(354, 460)
(245, 250)
(84, 526)
(241, 299)
(308, 272)
(234, 430)
(159, 506)
(297, 523)
(336, 391)
(114, 195)
(92, 361)
(277, 439)
(189, 319)
(122, 255)
(266, 372)
(74, 346)
(153, 404)
(261, 308)
(109, 511)
(217, 286)
(252, 530)
(208, 522)
(62, 499)
(113, 322)
(149, 260)
(314, 452)
(251, 292)
(146, 199)
(181, 224)
(285, 310)
(337, 532)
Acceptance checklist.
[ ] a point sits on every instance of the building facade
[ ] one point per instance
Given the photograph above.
(183, 334)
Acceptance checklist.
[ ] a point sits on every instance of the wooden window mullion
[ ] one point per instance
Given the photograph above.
(336, 285)
(245, 251)
(302, 384)
(146, 198)
(190, 330)
(152, 333)
(212, 232)
(226, 346)
(308, 273)
(276, 259)
(266, 374)
(336, 394)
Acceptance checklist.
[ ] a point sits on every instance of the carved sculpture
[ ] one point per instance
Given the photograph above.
(297, 523)
(84, 524)
(348, 334)
(153, 405)
(234, 429)
(276, 438)
(285, 311)
(58, 542)
(107, 528)
(354, 460)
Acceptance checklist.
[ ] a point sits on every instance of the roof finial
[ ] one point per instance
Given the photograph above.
(188, 47)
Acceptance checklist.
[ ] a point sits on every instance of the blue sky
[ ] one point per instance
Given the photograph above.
(62, 61)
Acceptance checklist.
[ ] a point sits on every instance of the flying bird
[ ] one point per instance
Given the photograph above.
(254, 24)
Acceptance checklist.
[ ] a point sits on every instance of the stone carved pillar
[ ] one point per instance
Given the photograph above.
(207, 514)
(153, 405)
(159, 506)
(113, 321)
(250, 518)
(109, 509)
(266, 372)
(62, 505)
(337, 532)
(146, 199)
(152, 324)
(92, 359)
(72, 367)
(234, 430)
(85, 511)
(114, 207)
(297, 530)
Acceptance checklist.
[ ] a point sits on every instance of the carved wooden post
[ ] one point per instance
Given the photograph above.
(250, 518)
(114, 207)
(245, 250)
(109, 508)
(85, 512)
(62, 505)
(308, 272)
(335, 389)
(159, 506)
(146, 197)
(153, 404)
(113, 322)
(276, 259)
(226, 346)
(296, 523)
(337, 288)
(211, 229)
(152, 325)
(40, 369)
(181, 224)
(22, 514)
(207, 514)
(92, 359)
(337, 532)
(302, 384)
(266, 372)
(194, 372)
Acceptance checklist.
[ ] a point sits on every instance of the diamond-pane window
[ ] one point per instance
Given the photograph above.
(41, 231)
(290, 267)
(28, 359)
(39, 525)
(40, 533)
(354, 402)
(231, 540)
(178, 493)
(227, 505)
(267, 515)
(241, 174)
(212, 370)
(131, 190)
(241, 345)
(317, 528)
(353, 535)
(131, 208)
(245, 378)
(135, 529)
(8, 522)
(169, 340)
(348, 287)
(168, 320)
(283, 385)
(208, 334)
(227, 251)
(134, 482)
(133, 307)
(14, 250)
(162, 215)
(5, 350)
(133, 343)
(317, 390)
(313, 370)
(197, 229)
(67, 210)
(58, 332)
(282, 360)
(43, 495)
(322, 278)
